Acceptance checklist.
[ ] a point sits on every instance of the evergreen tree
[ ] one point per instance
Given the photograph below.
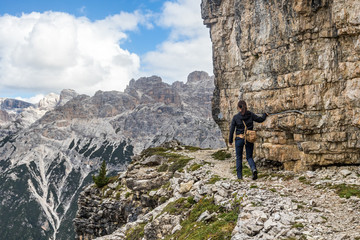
(101, 180)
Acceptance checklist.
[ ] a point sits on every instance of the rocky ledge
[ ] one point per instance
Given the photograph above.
(179, 192)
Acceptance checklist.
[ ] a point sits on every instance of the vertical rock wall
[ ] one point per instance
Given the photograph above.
(281, 55)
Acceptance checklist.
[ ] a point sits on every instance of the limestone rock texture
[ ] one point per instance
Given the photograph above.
(282, 55)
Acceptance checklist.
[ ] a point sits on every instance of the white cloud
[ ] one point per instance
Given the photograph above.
(188, 47)
(50, 51)
(47, 52)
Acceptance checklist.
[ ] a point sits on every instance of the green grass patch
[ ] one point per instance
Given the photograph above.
(253, 186)
(166, 185)
(163, 199)
(303, 179)
(117, 196)
(154, 151)
(214, 179)
(346, 191)
(298, 225)
(136, 233)
(171, 156)
(195, 166)
(302, 237)
(164, 152)
(192, 148)
(273, 189)
(119, 187)
(256, 204)
(296, 201)
(163, 168)
(191, 200)
(108, 193)
(246, 171)
(263, 175)
(178, 207)
(221, 155)
(113, 179)
(219, 227)
(288, 177)
(178, 163)
(154, 189)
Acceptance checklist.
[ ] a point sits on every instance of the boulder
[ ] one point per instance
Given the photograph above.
(186, 187)
(153, 160)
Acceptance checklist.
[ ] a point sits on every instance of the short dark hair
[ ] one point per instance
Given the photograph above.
(242, 106)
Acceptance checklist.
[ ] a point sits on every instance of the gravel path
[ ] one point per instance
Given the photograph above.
(282, 204)
(223, 169)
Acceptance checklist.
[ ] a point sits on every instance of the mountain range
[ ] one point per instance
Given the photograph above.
(50, 150)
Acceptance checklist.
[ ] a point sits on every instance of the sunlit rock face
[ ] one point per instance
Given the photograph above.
(290, 55)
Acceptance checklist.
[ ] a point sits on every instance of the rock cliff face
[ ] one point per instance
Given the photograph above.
(290, 55)
(13, 104)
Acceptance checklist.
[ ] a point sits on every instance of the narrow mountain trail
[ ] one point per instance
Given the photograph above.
(223, 169)
(281, 203)
(197, 196)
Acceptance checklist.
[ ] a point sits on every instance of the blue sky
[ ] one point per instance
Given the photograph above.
(87, 45)
(97, 10)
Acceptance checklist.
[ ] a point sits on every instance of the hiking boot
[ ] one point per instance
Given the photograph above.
(254, 176)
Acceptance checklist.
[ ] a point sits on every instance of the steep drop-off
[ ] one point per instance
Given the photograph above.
(290, 55)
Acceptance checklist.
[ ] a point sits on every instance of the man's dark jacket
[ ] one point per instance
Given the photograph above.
(248, 118)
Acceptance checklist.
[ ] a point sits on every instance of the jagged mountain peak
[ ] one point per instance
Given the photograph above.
(49, 101)
(66, 95)
(148, 80)
(197, 76)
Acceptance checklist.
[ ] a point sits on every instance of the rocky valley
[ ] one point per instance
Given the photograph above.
(49, 151)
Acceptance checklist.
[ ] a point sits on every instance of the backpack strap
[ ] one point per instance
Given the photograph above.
(245, 130)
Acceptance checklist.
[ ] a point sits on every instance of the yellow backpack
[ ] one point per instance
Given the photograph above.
(249, 135)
